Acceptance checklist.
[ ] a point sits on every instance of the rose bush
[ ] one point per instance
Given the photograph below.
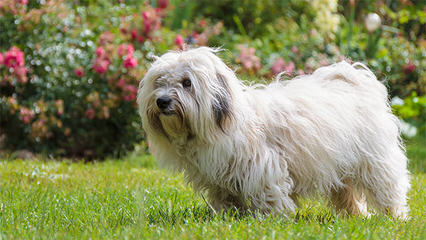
(72, 94)
(69, 70)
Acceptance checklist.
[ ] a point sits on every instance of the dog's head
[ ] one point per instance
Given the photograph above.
(187, 94)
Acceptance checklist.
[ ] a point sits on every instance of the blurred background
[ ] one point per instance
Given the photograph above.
(69, 69)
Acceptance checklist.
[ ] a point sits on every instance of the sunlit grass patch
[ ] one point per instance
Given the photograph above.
(131, 198)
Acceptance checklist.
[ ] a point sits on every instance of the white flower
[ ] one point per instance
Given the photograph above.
(397, 101)
(327, 20)
(372, 22)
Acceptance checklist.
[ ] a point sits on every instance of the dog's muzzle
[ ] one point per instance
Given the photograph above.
(164, 103)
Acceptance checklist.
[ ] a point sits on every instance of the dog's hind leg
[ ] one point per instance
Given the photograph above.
(387, 183)
(349, 200)
(221, 200)
(388, 193)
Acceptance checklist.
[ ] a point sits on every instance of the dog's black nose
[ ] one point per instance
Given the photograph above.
(163, 102)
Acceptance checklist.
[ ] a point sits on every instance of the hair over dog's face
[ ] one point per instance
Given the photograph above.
(187, 94)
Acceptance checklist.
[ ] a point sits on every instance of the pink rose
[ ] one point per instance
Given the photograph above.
(14, 58)
(179, 41)
(100, 51)
(1, 59)
(126, 49)
(101, 65)
(23, 2)
(294, 49)
(130, 62)
(79, 72)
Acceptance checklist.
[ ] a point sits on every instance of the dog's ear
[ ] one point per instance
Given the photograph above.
(222, 106)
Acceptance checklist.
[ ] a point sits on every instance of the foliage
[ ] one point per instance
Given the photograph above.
(80, 97)
(70, 69)
(132, 199)
(413, 110)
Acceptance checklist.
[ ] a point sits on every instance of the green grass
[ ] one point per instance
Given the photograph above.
(132, 199)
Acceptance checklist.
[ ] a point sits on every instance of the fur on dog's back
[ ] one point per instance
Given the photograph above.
(338, 118)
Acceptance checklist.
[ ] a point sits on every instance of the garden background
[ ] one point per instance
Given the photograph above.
(69, 72)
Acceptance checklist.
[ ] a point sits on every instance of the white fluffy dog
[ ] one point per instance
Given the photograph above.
(260, 147)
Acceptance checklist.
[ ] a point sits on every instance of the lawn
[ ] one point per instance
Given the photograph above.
(131, 198)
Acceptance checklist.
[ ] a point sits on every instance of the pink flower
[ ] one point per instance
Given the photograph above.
(23, 2)
(21, 72)
(289, 68)
(130, 61)
(134, 34)
(121, 83)
(248, 59)
(278, 66)
(14, 58)
(179, 41)
(151, 21)
(163, 3)
(324, 61)
(126, 49)
(101, 65)
(131, 92)
(26, 115)
(1, 59)
(100, 51)
(300, 72)
(79, 72)
(294, 49)
(90, 113)
(141, 39)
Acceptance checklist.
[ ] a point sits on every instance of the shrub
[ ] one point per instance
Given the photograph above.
(70, 69)
(78, 97)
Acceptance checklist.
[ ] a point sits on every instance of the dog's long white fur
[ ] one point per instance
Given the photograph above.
(332, 132)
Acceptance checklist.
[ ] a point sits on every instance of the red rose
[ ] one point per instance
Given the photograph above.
(79, 72)
(163, 3)
(409, 68)
(134, 34)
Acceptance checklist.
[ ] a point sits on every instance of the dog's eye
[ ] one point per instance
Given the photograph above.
(186, 83)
